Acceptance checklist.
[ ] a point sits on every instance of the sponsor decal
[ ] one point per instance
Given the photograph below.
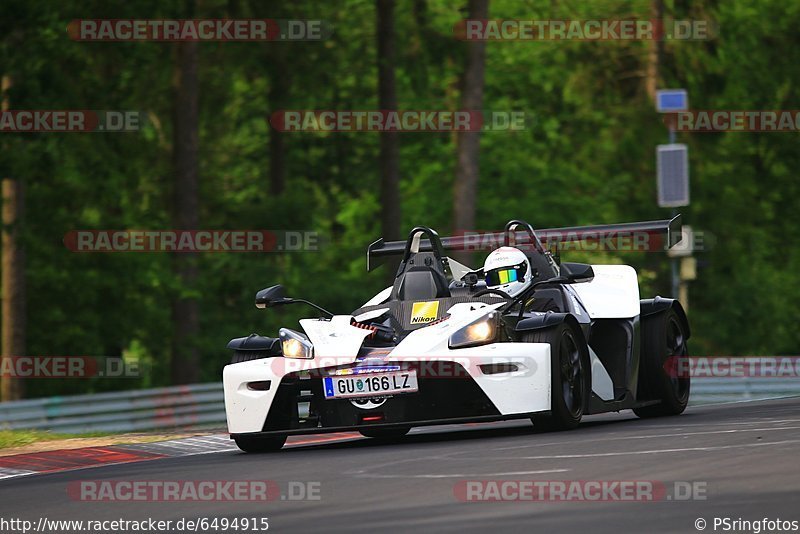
(369, 403)
(424, 312)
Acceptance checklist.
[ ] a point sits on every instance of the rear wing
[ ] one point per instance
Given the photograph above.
(380, 251)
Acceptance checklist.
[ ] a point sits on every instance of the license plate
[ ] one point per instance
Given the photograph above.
(370, 385)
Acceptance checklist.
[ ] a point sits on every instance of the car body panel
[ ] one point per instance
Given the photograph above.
(525, 390)
(613, 294)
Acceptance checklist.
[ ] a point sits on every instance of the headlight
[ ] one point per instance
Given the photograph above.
(479, 332)
(295, 344)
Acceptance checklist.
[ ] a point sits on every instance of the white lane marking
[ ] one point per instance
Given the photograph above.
(212, 445)
(654, 451)
(184, 447)
(210, 442)
(167, 445)
(468, 475)
(191, 446)
(651, 436)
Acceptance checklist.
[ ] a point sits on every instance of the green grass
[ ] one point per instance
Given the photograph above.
(17, 438)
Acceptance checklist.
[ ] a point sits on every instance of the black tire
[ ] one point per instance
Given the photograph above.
(248, 355)
(663, 374)
(260, 444)
(387, 434)
(569, 376)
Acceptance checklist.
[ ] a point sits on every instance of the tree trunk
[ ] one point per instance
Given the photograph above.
(13, 277)
(277, 99)
(468, 143)
(185, 366)
(655, 53)
(389, 141)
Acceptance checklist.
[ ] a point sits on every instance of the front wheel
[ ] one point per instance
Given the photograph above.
(664, 376)
(568, 375)
(260, 444)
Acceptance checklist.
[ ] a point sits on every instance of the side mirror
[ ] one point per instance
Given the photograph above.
(577, 272)
(271, 296)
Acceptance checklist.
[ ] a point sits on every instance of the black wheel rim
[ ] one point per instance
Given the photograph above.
(678, 353)
(571, 374)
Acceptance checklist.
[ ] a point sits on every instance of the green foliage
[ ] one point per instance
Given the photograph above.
(586, 157)
(19, 438)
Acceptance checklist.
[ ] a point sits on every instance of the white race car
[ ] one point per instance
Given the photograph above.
(526, 336)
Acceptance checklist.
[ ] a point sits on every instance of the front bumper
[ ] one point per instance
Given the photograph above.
(293, 401)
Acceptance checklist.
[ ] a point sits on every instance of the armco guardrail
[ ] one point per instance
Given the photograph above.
(711, 390)
(124, 411)
(202, 404)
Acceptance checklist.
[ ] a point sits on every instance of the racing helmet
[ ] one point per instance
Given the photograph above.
(509, 270)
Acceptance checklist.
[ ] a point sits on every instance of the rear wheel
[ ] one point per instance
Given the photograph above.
(387, 434)
(664, 370)
(260, 444)
(568, 371)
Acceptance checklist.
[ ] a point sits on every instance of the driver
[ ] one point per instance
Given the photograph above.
(508, 269)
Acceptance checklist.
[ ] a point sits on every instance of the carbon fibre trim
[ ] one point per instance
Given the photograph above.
(400, 311)
(380, 249)
(427, 422)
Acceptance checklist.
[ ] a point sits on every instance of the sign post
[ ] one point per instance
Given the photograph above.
(672, 167)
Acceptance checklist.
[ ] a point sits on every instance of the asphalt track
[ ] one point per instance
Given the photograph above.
(744, 455)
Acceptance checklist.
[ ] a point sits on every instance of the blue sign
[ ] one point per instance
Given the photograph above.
(671, 100)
